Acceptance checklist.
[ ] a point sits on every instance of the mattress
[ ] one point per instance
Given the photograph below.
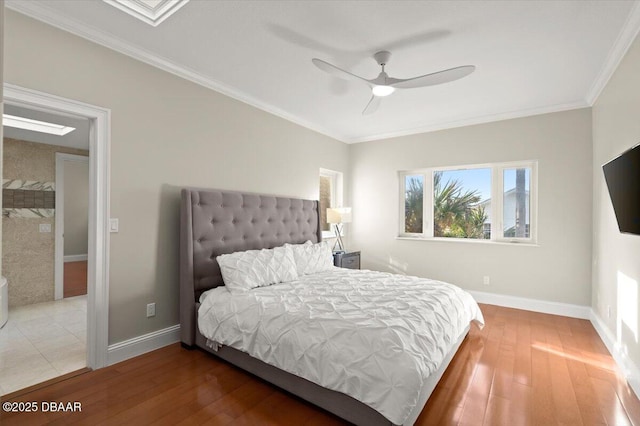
(374, 336)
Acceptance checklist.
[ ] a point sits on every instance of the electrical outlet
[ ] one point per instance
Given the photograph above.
(486, 280)
(151, 310)
(44, 227)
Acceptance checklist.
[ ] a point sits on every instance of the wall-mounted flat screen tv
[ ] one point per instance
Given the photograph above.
(622, 175)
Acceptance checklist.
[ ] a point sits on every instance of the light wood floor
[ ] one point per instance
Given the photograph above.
(75, 278)
(523, 368)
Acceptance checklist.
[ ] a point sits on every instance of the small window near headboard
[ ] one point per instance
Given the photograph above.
(330, 195)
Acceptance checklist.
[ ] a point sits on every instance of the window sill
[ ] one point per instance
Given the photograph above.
(329, 234)
(470, 241)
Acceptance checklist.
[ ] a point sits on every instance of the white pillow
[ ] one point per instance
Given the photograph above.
(244, 270)
(311, 258)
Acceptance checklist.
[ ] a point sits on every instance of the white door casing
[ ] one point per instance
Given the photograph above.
(98, 247)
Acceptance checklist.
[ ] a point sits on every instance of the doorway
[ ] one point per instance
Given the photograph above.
(72, 225)
(43, 338)
(98, 230)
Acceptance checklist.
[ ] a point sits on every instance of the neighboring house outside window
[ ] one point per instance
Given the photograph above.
(495, 202)
(510, 212)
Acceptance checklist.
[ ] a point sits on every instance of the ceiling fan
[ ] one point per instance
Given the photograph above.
(383, 85)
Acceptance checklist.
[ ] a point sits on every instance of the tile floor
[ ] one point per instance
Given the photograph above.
(42, 341)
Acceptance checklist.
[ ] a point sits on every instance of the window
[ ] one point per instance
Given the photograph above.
(459, 203)
(330, 195)
(516, 203)
(413, 203)
(492, 202)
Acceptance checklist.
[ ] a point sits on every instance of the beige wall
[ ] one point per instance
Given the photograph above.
(28, 255)
(166, 133)
(76, 207)
(558, 269)
(616, 256)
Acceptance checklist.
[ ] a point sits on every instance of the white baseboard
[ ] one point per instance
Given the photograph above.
(75, 258)
(546, 307)
(142, 344)
(626, 365)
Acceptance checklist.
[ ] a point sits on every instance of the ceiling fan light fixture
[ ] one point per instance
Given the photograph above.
(383, 85)
(382, 90)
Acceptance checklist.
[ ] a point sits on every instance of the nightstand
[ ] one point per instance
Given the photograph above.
(349, 260)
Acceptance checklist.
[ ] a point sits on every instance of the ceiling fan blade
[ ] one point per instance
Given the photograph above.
(338, 72)
(372, 106)
(432, 79)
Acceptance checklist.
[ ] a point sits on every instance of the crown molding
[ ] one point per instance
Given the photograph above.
(627, 35)
(508, 115)
(49, 16)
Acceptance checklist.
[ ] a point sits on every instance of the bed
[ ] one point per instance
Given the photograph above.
(215, 223)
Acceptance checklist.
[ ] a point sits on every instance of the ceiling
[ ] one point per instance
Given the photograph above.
(531, 56)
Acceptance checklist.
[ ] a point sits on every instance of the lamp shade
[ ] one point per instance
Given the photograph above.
(339, 215)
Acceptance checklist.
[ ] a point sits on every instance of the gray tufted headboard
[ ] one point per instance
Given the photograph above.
(214, 222)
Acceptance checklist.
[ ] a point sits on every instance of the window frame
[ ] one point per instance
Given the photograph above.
(336, 179)
(497, 202)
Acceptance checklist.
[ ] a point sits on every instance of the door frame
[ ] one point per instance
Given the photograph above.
(99, 178)
(61, 159)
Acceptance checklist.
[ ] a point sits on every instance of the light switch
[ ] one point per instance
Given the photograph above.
(113, 225)
(45, 227)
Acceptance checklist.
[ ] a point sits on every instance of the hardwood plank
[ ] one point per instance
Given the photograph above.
(276, 408)
(523, 368)
(585, 395)
(563, 326)
(503, 377)
(478, 392)
(497, 413)
(522, 362)
(562, 392)
(119, 394)
(172, 392)
(521, 405)
(447, 400)
(435, 409)
(543, 411)
(75, 278)
(610, 405)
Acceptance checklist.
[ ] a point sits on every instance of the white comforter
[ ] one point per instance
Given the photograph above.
(371, 335)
